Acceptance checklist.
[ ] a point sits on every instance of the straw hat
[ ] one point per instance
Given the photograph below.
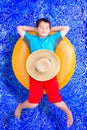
(43, 65)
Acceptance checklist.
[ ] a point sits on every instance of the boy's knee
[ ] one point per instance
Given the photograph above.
(33, 105)
(58, 104)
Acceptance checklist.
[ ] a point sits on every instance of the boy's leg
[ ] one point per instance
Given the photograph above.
(54, 97)
(23, 105)
(68, 113)
(35, 95)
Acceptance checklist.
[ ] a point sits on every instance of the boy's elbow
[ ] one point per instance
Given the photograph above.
(20, 31)
(65, 31)
(18, 28)
(68, 28)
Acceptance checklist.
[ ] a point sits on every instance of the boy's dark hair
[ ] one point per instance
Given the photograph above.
(44, 20)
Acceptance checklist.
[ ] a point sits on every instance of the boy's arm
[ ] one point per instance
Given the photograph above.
(63, 29)
(22, 29)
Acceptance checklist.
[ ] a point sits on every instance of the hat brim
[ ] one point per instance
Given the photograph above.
(34, 57)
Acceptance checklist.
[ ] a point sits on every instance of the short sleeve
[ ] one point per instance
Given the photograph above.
(57, 38)
(27, 38)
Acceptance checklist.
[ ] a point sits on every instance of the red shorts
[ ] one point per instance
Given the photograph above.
(50, 86)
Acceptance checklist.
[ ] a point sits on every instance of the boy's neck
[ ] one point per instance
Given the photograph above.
(41, 36)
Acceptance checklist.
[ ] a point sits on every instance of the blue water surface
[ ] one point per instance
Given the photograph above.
(46, 116)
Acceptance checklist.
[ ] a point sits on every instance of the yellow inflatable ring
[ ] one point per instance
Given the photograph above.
(65, 52)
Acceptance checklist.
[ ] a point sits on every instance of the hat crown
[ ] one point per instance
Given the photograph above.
(43, 65)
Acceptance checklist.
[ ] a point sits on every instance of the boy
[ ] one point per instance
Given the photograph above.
(43, 41)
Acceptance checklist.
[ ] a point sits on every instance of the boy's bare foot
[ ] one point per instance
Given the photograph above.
(69, 119)
(18, 111)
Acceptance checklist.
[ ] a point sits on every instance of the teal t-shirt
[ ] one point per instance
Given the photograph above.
(35, 43)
